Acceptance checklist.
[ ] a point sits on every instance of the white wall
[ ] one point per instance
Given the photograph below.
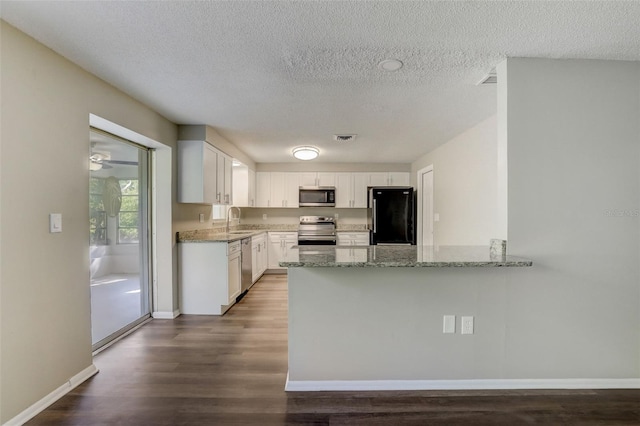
(574, 193)
(465, 182)
(45, 311)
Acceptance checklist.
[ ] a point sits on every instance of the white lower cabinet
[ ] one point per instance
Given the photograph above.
(279, 244)
(258, 256)
(351, 254)
(210, 277)
(357, 238)
(348, 253)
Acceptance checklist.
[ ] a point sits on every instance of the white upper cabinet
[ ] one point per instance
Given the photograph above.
(277, 189)
(280, 189)
(284, 189)
(263, 189)
(399, 179)
(197, 175)
(252, 189)
(244, 186)
(378, 179)
(317, 179)
(204, 174)
(389, 179)
(351, 190)
(224, 179)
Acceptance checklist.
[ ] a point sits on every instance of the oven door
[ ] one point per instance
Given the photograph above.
(316, 240)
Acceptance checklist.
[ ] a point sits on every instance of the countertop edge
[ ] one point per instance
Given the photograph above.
(487, 264)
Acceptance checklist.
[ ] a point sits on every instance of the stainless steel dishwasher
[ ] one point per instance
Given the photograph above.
(246, 266)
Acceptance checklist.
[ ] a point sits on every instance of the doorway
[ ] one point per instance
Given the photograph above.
(425, 206)
(119, 199)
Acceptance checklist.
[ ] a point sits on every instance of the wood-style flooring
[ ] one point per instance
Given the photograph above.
(231, 370)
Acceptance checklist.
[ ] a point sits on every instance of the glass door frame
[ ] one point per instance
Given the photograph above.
(145, 218)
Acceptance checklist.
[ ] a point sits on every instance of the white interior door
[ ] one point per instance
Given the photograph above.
(425, 206)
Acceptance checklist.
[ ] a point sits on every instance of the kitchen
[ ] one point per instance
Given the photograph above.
(571, 316)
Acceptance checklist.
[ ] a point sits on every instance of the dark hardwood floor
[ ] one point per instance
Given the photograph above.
(231, 370)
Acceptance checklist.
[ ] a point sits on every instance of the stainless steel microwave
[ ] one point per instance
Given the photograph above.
(317, 196)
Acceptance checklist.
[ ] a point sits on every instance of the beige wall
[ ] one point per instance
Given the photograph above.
(465, 182)
(574, 194)
(45, 316)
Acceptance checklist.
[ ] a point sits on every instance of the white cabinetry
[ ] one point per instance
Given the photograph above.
(244, 187)
(317, 179)
(279, 245)
(259, 257)
(351, 254)
(378, 179)
(252, 189)
(399, 179)
(196, 172)
(210, 277)
(351, 190)
(352, 238)
(389, 179)
(277, 189)
(224, 179)
(204, 174)
(280, 189)
(263, 189)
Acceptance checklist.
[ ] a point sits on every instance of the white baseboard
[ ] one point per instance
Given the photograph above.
(166, 315)
(45, 402)
(382, 385)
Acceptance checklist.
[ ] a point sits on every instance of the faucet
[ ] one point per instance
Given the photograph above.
(229, 215)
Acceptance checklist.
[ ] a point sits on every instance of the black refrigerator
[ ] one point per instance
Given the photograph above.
(391, 215)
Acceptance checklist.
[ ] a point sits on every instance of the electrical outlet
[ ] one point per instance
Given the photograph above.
(467, 325)
(449, 324)
(336, 216)
(201, 217)
(264, 216)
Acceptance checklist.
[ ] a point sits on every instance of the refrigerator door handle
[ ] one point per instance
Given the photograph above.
(375, 221)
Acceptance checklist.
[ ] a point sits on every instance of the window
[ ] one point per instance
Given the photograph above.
(128, 217)
(98, 216)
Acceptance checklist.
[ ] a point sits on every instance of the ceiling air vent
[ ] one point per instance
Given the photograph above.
(491, 78)
(344, 138)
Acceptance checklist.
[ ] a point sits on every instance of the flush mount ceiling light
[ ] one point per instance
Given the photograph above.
(305, 152)
(390, 65)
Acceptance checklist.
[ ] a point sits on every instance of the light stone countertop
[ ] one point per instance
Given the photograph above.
(218, 234)
(397, 256)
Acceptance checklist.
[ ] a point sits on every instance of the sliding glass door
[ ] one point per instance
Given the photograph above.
(119, 236)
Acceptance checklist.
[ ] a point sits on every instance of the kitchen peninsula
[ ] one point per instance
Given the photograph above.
(371, 318)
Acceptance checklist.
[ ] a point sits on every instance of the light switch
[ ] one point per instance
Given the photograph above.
(55, 222)
(436, 217)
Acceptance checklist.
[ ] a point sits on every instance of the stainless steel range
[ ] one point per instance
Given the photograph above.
(317, 230)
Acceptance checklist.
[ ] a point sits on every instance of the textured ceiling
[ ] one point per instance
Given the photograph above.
(273, 75)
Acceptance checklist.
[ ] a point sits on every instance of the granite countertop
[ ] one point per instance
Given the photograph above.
(397, 256)
(218, 235)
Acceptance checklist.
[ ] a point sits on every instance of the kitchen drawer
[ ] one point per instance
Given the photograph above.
(233, 247)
